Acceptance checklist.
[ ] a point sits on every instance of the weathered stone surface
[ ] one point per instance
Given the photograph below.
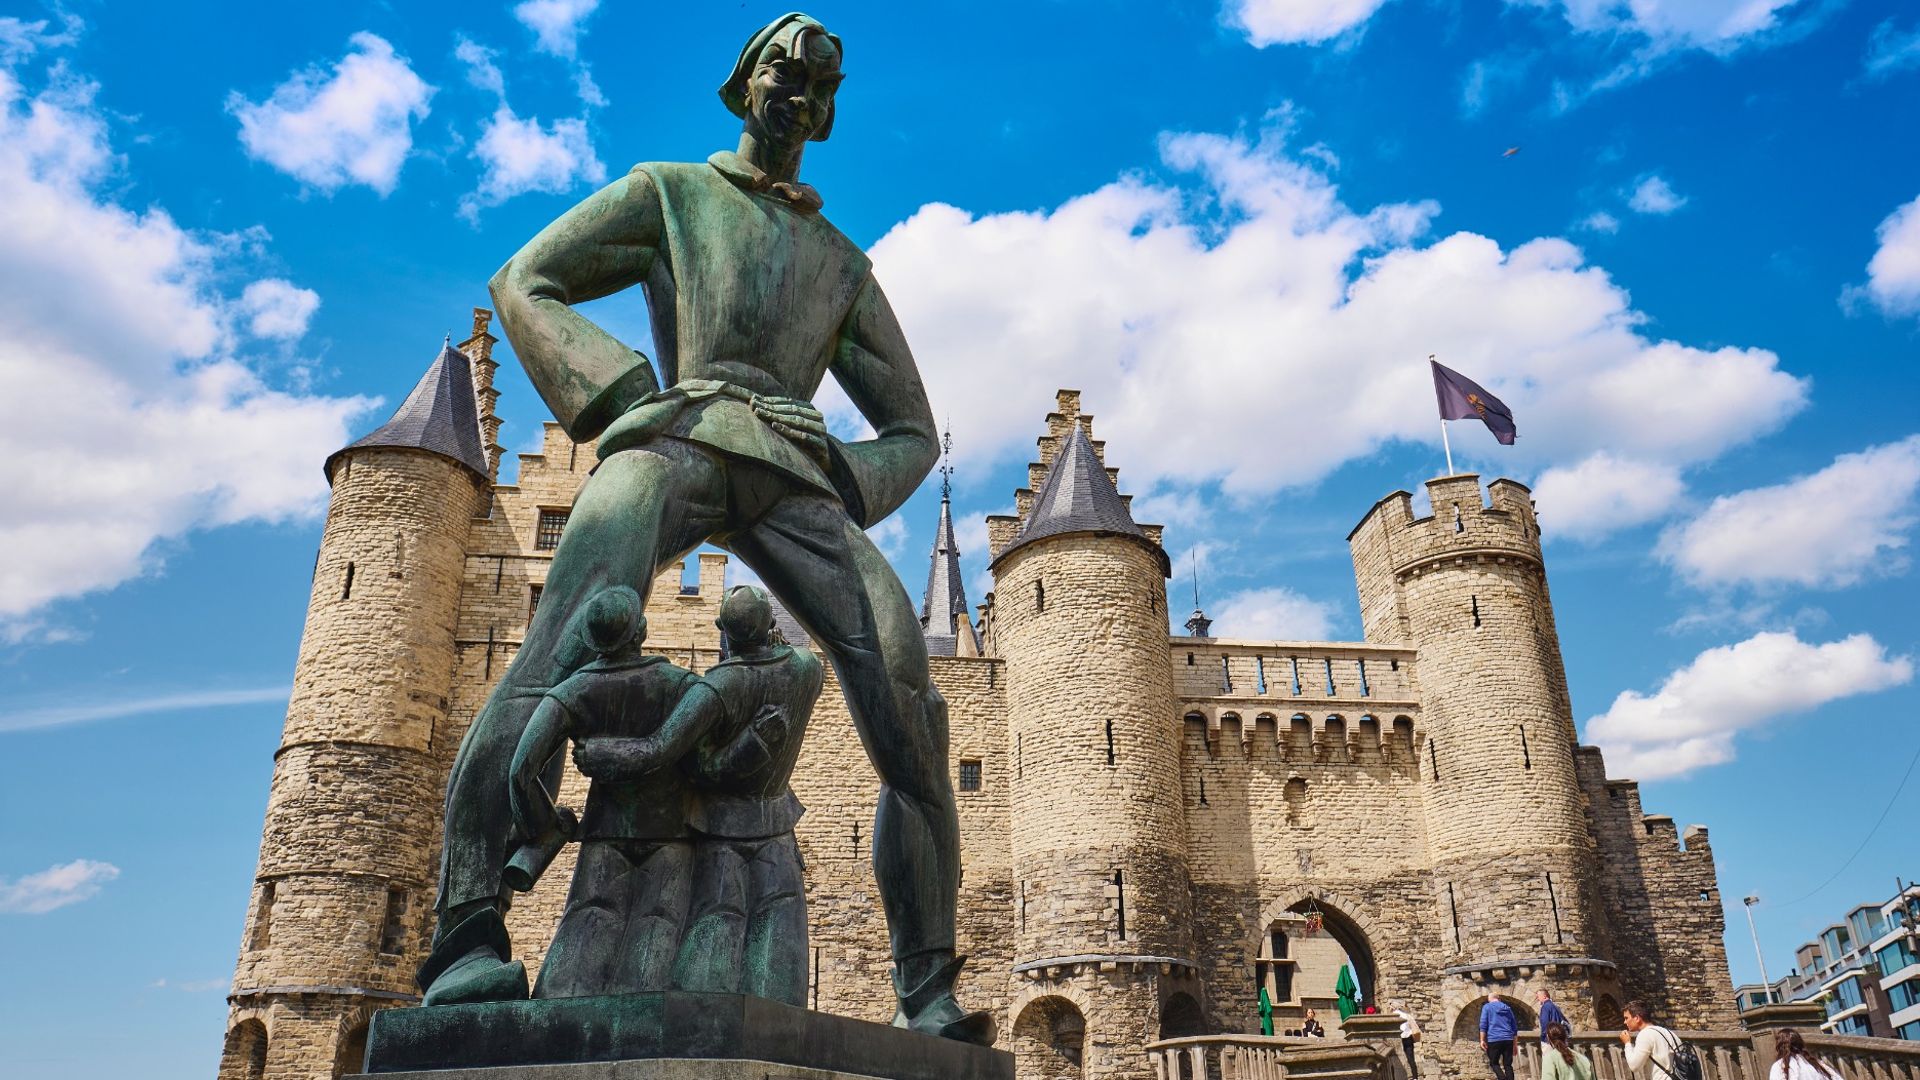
(702, 1069)
(668, 1025)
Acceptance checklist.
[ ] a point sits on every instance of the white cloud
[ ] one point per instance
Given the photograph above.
(1716, 26)
(1653, 195)
(1692, 720)
(1893, 274)
(1654, 27)
(521, 155)
(86, 712)
(1242, 325)
(1602, 493)
(353, 125)
(1600, 222)
(1890, 51)
(276, 308)
(127, 416)
(1274, 614)
(890, 536)
(55, 887)
(1835, 527)
(1297, 22)
(556, 24)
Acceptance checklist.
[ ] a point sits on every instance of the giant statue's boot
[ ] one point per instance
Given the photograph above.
(928, 1005)
(472, 963)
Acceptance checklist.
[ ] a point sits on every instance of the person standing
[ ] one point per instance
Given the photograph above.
(1409, 1034)
(1311, 1028)
(1793, 1061)
(1647, 1043)
(1498, 1029)
(1558, 1060)
(1550, 1015)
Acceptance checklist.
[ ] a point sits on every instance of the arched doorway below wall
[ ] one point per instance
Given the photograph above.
(1466, 1026)
(245, 1055)
(1181, 1018)
(1337, 940)
(1049, 1040)
(1606, 1014)
(351, 1056)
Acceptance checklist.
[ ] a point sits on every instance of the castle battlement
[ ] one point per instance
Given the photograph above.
(1461, 525)
(1300, 739)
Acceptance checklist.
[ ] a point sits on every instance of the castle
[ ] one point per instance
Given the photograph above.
(1156, 827)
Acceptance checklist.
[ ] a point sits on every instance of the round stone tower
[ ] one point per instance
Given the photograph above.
(1513, 855)
(1098, 840)
(347, 857)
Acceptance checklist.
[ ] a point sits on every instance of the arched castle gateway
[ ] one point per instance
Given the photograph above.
(1155, 826)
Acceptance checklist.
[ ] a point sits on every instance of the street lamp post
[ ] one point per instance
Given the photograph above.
(1757, 954)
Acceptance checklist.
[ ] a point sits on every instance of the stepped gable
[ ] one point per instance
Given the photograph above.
(943, 613)
(440, 416)
(1079, 497)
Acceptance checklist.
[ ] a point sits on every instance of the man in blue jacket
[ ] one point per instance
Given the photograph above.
(1550, 1014)
(1497, 1031)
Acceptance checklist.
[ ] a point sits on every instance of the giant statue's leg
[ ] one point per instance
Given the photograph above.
(825, 570)
(641, 509)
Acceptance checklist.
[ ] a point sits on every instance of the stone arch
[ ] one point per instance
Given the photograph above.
(350, 1042)
(245, 1055)
(1606, 1013)
(1050, 1039)
(1346, 921)
(1403, 737)
(1181, 1017)
(1466, 1025)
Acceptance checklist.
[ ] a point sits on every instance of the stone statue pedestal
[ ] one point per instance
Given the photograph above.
(663, 1036)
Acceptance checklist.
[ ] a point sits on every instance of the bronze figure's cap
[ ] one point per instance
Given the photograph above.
(612, 619)
(746, 615)
(789, 31)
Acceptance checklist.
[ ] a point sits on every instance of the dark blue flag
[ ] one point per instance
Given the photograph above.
(1463, 399)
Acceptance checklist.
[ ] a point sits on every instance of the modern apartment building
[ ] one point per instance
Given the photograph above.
(1865, 969)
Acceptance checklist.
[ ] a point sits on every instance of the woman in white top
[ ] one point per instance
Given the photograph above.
(1793, 1061)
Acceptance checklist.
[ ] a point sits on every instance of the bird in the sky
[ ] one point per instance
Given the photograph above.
(1511, 150)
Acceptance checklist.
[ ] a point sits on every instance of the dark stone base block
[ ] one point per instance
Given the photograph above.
(493, 1041)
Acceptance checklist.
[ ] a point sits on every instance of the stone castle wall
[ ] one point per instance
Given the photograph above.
(1251, 782)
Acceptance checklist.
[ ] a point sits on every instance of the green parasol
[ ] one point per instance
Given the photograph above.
(1347, 992)
(1266, 1013)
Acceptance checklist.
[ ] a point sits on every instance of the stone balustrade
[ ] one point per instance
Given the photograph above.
(1372, 1052)
(1263, 1057)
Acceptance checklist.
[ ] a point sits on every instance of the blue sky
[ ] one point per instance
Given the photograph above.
(231, 235)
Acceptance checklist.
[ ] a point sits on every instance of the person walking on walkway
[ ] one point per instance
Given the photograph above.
(1793, 1061)
(1550, 1015)
(1558, 1059)
(1647, 1043)
(1498, 1028)
(1409, 1034)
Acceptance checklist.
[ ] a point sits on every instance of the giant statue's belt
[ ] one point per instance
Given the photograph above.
(715, 414)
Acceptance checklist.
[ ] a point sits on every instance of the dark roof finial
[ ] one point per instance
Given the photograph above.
(946, 462)
(1198, 625)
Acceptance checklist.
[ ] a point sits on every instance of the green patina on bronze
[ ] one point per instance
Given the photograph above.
(755, 298)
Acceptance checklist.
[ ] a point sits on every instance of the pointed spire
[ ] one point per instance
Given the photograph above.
(943, 614)
(1079, 497)
(1199, 625)
(439, 416)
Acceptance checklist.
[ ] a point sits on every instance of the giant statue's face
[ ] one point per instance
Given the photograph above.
(790, 97)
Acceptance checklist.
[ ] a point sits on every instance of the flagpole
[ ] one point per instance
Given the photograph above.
(1447, 445)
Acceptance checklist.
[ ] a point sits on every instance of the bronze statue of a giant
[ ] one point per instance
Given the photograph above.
(754, 297)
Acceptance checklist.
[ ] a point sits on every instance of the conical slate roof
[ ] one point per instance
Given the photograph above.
(1079, 497)
(943, 612)
(440, 416)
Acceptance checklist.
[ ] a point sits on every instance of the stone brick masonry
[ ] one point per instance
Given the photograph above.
(1419, 797)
